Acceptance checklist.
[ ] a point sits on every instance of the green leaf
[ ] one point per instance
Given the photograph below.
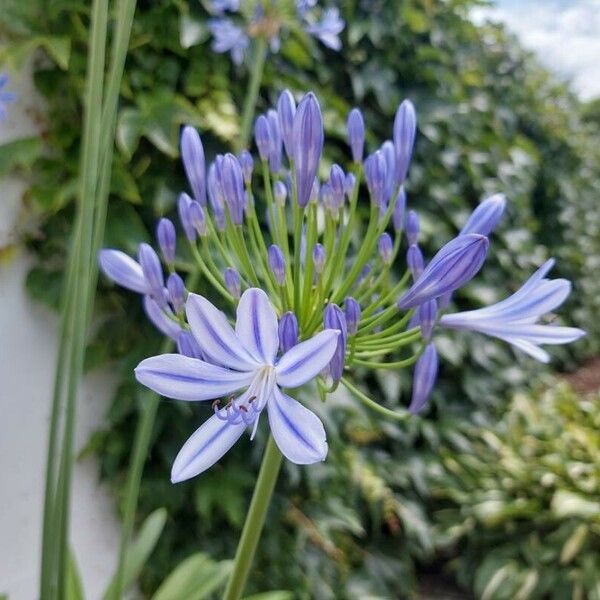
(74, 586)
(140, 549)
(276, 595)
(21, 153)
(58, 49)
(195, 578)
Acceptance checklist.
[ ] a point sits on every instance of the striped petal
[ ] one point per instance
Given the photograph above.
(184, 378)
(165, 324)
(299, 433)
(257, 326)
(122, 269)
(216, 338)
(205, 447)
(307, 359)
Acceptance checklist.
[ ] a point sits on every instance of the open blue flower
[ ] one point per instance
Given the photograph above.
(244, 358)
(515, 319)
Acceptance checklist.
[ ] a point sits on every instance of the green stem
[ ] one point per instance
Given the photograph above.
(382, 410)
(258, 65)
(255, 520)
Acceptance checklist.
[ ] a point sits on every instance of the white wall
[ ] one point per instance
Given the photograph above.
(28, 338)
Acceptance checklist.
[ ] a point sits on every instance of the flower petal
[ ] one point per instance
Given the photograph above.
(205, 447)
(531, 349)
(298, 432)
(122, 269)
(184, 378)
(214, 335)
(424, 379)
(307, 359)
(256, 325)
(160, 320)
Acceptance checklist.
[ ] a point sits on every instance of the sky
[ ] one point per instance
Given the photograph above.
(565, 34)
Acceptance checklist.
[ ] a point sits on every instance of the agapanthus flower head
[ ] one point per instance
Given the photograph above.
(328, 29)
(229, 37)
(310, 258)
(6, 97)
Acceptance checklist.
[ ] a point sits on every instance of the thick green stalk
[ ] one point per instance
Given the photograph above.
(258, 64)
(255, 520)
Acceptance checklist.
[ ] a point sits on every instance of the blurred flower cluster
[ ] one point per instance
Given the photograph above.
(313, 282)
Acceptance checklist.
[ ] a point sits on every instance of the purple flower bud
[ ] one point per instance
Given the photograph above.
(232, 183)
(386, 246)
(334, 318)
(405, 127)
(399, 210)
(412, 227)
(161, 319)
(247, 164)
(196, 214)
(277, 263)
(349, 183)
(427, 313)
(455, 264)
(337, 181)
(424, 379)
(366, 271)
(280, 193)
(415, 261)
(486, 216)
(356, 134)
(288, 331)
(183, 208)
(318, 256)
(276, 141)
(233, 282)
(326, 197)
(352, 311)
(307, 145)
(152, 270)
(215, 196)
(166, 237)
(375, 174)
(389, 154)
(192, 154)
(262, 136)
(286, 109)
(188, 346)
(314, 192)
(177, 293)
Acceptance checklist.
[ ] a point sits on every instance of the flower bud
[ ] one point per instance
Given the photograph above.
(427, 313)
(166, 237)
(277, 263)
(288, 331)
(424, 378)
(280, 193)
(486, 216)
(233, 282)
(356, 134)
(415, 261)
(375, 174)
(386, 247)
(412, 227)
(405, 127)
(307, 145)
(176, 291)
(159, 318)
(123, 270)
(334, 318)
(286, 109)
(152, 270)
(247, 164)
(183, 208)
(352, 312)
(232, 183)
(314, 192)
(337, 181)
(455, 264)
(275, 150)
(197, 218)
(349, 183)
(192, 153)
(188, 346)
(364, 274)
(390, 168)
(215, 196)
(399, 210)
(262, 136)
(318, 256)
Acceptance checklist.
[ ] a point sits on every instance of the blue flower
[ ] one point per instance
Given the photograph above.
(244, 358)
(229, 37)
(328, 29)
(515, 319)
(5, 97)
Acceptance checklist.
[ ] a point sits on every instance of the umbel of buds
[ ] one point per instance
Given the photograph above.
(323, 271)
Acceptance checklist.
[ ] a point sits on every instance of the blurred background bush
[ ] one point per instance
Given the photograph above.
(500, 495)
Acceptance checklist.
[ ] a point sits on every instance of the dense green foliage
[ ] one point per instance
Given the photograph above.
(518, 506)
(489, 120)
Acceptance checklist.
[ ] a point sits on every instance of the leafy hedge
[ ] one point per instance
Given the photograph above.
(490, 119)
